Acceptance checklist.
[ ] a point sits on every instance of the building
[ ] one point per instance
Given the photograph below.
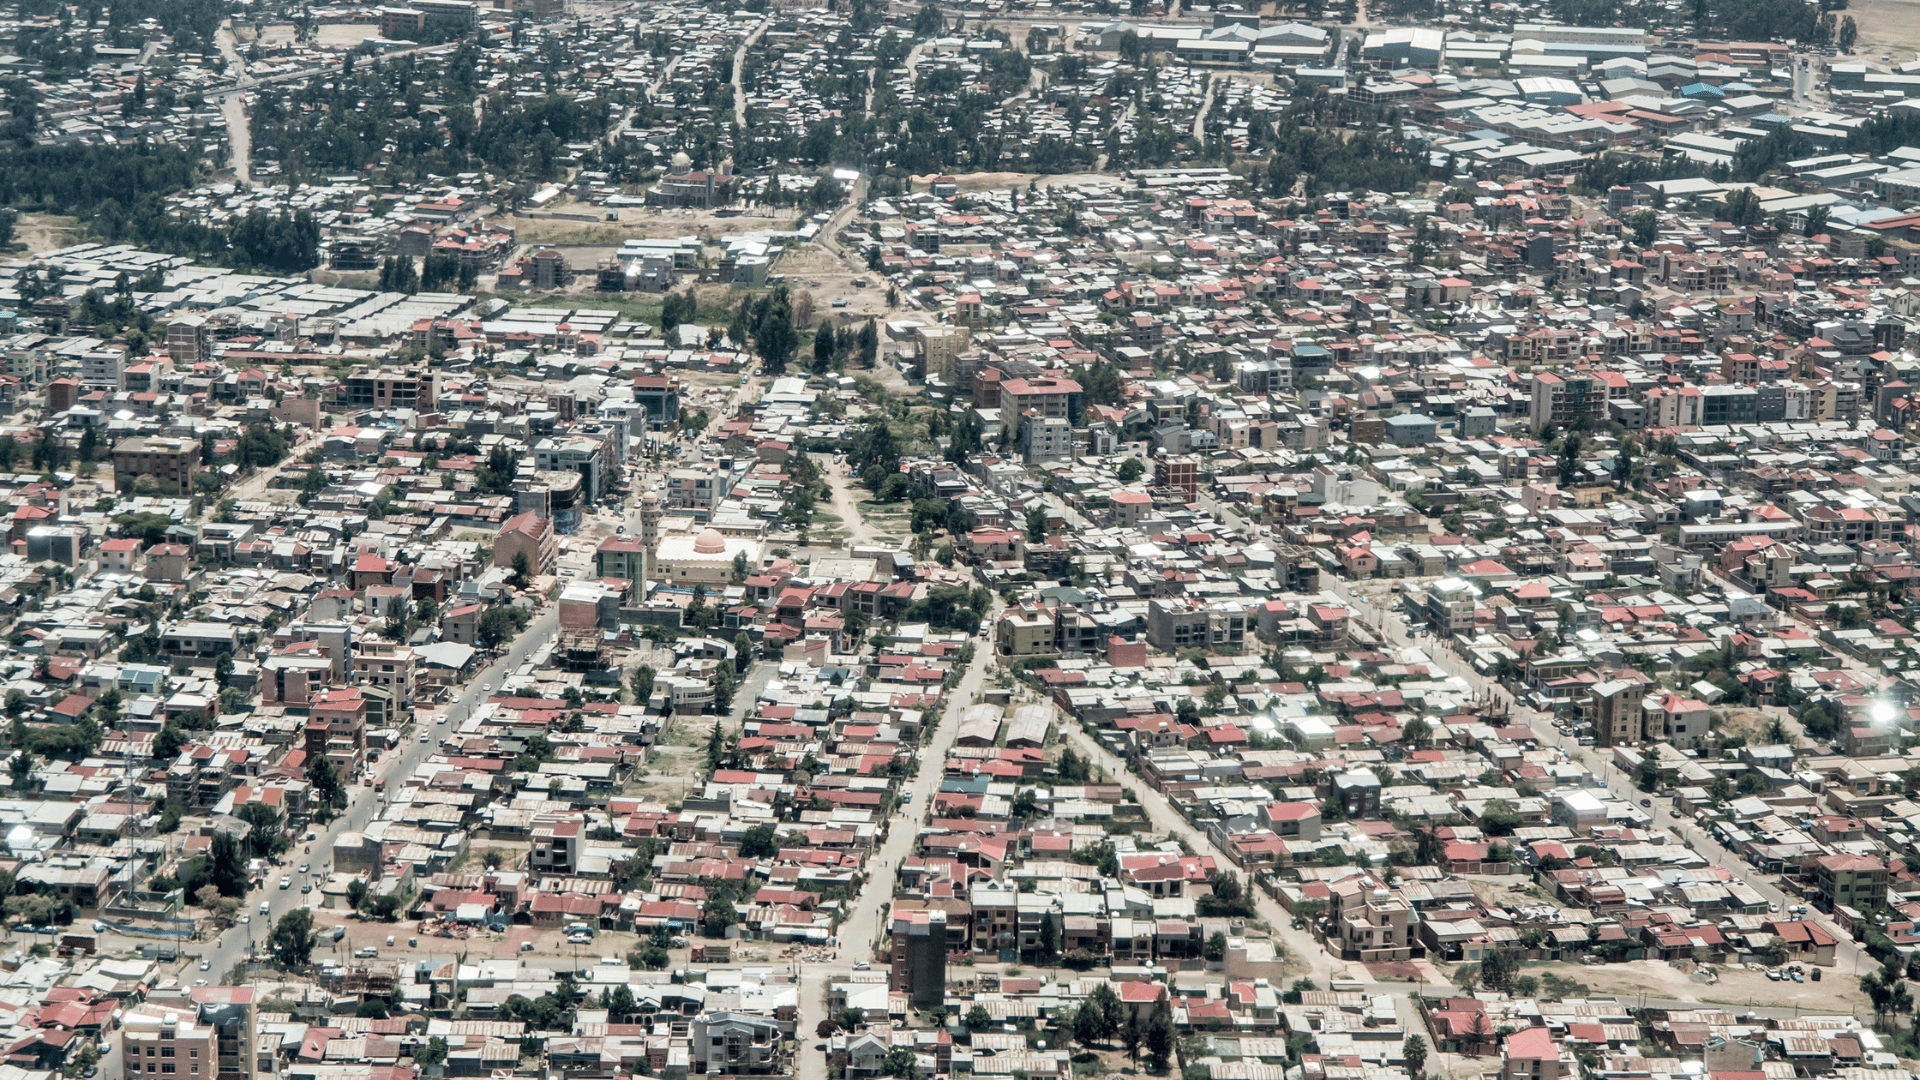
(188, 340)
(1562, 400)
(1359, 791)
(659, 395)
(1858, 881)
(918, 962)
(1061, 398)
(386, 666)
(1531, 1054)
(704, 559)
(166, 462)
(1450, 605)
(380, 388)
(1177, 472)
(620, 557)
(401, 23)
(1619, 712)
(527, 534)
(735, 1044)
(1377, 931)
(169, 1041)
(692, 489)
(1025, 631)
(684, 185)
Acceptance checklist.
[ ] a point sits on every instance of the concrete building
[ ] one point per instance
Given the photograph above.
(168, 463)
(528, 534)
(918, 962)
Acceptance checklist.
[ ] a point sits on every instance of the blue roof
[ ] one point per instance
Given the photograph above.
(1701, 89)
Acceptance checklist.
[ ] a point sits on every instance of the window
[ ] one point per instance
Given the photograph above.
(166, 1051)
(194, 1053)
(167, 1068)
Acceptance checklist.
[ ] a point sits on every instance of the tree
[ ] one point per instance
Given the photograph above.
(1130, 470)
(723, 687)
(431, 1052)
(1215, 949)
(1497, 968)
(266, 837)
(1130, 1037)
(1086, 1024)
(758, 843)
(326, 782)
(717, 914)
(292, 939)
(1046, 942)
(978, 1019)
(1159, 1040)
(1414, 1051)
(1417, 733)
(1645, 225)
(522, 570)
(642, 684)
(228, 870)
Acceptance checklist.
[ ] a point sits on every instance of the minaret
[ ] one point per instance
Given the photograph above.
(649, 535)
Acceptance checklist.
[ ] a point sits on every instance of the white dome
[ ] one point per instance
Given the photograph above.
(710, 542)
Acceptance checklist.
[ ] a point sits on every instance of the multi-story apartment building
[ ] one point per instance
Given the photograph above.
(1561, 400)
(170, 463)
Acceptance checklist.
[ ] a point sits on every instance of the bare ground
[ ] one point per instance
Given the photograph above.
(343, 35)
(46, 232)
(1737, 988)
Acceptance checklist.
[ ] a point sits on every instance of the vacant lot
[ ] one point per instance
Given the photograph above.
(343, 35)
(1737, 988)
(46, 232)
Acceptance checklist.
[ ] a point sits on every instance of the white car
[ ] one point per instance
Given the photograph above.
(206, 965)
(423, 736)
(286, 882)
(245, 919)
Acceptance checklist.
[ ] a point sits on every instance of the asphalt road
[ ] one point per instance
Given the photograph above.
(218, 956)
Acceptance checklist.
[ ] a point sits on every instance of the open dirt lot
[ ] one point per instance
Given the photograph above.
(46, 232)
(542, 227)
(1737, 988)
(828, 280)
(343, 35)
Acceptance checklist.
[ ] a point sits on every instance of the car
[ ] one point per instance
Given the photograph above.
(862, 965)
(819, 1046)
(526, 946)
(444, 718)
(286, 882)
(245, 919)
(199, 982)
(1646, 802)
(907, 797)
(486, 686)
(264, 909)
(1773, 905)
(423, 736)
(413, 943)
(206, 965)
(90, 1072)
(840, 303)
(306, 888)
(305, 867)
